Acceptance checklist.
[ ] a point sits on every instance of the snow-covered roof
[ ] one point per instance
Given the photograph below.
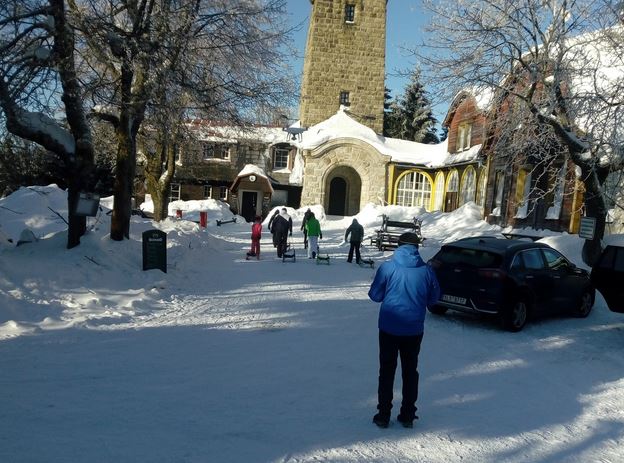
(212, 131)
(596, 77)
(250, 169)
(482, 95)
(341, 125)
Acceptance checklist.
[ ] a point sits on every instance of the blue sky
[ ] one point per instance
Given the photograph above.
(404, 25)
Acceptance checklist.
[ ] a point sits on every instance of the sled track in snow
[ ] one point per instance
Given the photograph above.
(270, 308)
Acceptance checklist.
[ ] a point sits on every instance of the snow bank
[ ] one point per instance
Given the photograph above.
(42, 209)
(217, 210)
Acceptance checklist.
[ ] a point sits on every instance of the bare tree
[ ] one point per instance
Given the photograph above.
(556, 70)
(228, 68)
(39, 81)
(224, 55)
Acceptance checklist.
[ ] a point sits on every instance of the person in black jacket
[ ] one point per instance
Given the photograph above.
(281, 229)
(357, 235)
(270, 226)
(306, 217)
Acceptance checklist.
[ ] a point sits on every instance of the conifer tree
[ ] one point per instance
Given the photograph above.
(411, 117)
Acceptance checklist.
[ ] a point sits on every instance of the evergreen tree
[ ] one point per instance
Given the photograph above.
(411, 117)
(391, 112)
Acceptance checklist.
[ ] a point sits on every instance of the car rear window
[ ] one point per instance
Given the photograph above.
(612, 258)
(469, 257)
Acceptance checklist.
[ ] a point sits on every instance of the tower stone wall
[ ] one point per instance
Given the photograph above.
(345, 56)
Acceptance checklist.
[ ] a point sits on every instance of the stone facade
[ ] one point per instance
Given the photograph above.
(345, 56)
(360, 166)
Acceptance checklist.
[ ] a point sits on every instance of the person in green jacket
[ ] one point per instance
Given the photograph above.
(313, 227)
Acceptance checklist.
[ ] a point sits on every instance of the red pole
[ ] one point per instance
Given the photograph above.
(203, 219)
(178, 213)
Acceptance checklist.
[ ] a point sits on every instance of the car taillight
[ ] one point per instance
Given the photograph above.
(492, 273)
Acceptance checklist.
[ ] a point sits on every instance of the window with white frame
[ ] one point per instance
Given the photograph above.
(481, 188)
(469, 185)
(499, 185)
(215, 151)
(453, 182)
(523, 189)
(464, 134)
(223, 193)
(554, 211)
(174, 192)
(280, 158)
(438, 201)
(349, 13)
(414, 190)
(207, 191)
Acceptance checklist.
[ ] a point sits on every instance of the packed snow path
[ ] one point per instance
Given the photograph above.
(222, 360)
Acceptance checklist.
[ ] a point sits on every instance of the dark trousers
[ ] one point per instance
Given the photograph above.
(408, 348)
(355, 245)
(305, 239)
(282, 244)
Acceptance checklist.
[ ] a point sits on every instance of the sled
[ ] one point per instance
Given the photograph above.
(367, 263)
(322, 259)
(289, 254)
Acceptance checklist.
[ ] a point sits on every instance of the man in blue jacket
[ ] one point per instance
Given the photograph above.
(405, 286)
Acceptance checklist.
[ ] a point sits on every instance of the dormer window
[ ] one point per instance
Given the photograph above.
(344, 98)
(280, 158)
(349, 13)
(215, 151)
(464, 133)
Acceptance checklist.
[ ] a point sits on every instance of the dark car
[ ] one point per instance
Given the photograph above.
(510, 278)
(608, 276)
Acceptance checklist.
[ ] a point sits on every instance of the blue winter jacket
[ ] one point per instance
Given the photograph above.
(405, 286)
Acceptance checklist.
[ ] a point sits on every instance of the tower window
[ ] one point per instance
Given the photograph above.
(350, 13)
(344, 98)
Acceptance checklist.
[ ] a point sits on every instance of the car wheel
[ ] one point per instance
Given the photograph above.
(515, 316)
(437, 309)
(585, 304)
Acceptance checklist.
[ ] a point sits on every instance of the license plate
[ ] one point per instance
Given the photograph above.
(454, 299)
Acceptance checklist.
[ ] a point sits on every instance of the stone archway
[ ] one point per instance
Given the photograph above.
(363, 168)
(343, 189)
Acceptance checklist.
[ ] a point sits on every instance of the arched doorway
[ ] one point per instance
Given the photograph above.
(343, 188)
(337, 196)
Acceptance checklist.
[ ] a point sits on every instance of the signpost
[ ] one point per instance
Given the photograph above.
(587, 229)
(88, 204)
(155, 250)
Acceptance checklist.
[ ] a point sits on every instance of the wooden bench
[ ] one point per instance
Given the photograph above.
(221, 222)
(387, 237)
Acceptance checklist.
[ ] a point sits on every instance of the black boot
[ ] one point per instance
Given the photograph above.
(381, 420)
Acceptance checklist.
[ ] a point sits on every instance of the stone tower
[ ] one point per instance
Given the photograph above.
(345, 61)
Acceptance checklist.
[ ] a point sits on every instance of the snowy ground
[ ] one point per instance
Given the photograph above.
(223, 360)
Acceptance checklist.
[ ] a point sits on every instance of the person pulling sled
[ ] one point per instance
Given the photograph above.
(256, 235)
